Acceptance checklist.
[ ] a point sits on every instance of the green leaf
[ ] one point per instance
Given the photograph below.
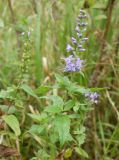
(69, 104)
(97, 89)
(9, 93)
(74, 116)
(62, 126)
(57, 101)
(81, 152)
(13, 123)
(57, 105)
(8, 109)
(42, 155)
(53, 109)
(76, 107)
(38, 117)
(77, 89)
(4, 108)
(62, 81)
(28, 90)
(11, 110)
(81, 139)
(36, 129)
(42, 90)
(71, 87)
(53, 138)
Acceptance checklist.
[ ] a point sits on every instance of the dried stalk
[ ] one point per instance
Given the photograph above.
(103, 55)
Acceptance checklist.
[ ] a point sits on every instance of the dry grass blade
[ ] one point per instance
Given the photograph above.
(112, 104)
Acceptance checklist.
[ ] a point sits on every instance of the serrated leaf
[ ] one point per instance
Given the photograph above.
(57, 105)
(36, 129)
(71, 87)
(62, 126)
(81, 152)
(57, 101)
(53, 109)
(81, 139)
(13, 123)
(42, 153)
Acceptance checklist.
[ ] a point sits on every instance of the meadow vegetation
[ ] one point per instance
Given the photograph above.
(59, 79)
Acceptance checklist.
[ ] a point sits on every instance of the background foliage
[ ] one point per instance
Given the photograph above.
(37, 101)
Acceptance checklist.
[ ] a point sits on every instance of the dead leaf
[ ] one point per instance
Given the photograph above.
(6, 151)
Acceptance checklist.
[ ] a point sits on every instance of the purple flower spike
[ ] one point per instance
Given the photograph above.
(74, 41)
(84, 39)
(69, 59)
(80, 46)
(93, 97)
(79, 35)
(69, 48)
(79, 64)
(70, 66)
(73, 64)
(82, 11)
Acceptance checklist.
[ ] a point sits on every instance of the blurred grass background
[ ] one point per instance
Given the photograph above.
(53, 23)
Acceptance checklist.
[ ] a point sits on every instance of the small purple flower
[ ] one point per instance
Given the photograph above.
(80, 46)
(74, 41)
(69, 59)
(92, 96)
(79, 35)
(79, 64)
(69, 48)
(73, 64)
(70, 66)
